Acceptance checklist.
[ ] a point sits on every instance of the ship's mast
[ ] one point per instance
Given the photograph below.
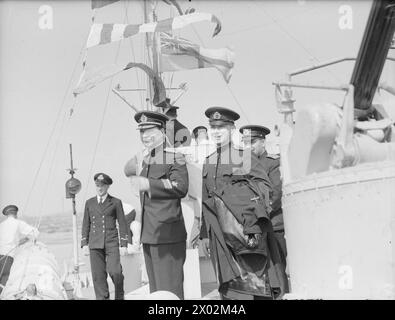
(75, 234)
(153, 47)
(73, 186)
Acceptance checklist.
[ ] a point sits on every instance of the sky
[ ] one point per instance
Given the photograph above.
(39, 68)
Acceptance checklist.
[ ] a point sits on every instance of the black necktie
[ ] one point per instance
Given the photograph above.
(216, 166)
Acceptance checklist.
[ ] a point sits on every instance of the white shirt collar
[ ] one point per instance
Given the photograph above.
(103, 198)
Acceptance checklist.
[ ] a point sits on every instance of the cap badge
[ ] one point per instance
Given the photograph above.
(216, 115)
(100, 177)
(143, 118)
(247, 132)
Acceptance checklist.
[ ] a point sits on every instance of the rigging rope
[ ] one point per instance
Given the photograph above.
(300, 44)
(84, 51)
(269, 24)
(52, 131)
(41, 210)
(227, 85)
(101, 124)
(133, 53)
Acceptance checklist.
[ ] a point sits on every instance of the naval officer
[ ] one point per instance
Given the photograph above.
(254, 136)
(235, 226)
(162, 183)
(100, 238)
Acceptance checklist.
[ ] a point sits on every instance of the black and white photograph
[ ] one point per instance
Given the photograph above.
(195, 151)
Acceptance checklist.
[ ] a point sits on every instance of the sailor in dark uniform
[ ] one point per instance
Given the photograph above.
(236, 226)
(254, 136)
(100, 233)
(162, 180)
(177, 134)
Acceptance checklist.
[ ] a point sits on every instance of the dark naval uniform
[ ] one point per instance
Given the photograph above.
(271, 165)
(163, 232)
(99, 231)
(234, 208)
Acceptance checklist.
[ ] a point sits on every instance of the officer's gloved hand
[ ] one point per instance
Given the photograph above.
(140, 183)
(131, 167)
(123, 251)
(205, 245)
(85, 250)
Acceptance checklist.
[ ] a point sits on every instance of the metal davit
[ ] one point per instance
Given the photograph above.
(338, 170)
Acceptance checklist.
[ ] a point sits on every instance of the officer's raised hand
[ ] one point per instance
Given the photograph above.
(140, 183)
(85, 250)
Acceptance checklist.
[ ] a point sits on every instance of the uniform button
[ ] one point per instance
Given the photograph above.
(103, 231)
(93, 217)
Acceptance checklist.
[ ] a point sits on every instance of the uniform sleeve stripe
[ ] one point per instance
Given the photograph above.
(167, 184)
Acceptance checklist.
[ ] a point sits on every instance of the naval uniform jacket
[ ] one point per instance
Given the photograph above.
(271, 164)
(99, 228)
(218, 171)
(221, 168)
(162, 219)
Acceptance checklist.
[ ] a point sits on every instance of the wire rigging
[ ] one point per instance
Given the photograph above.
(299, 43)
(269, 24)
(61, 106)
(133, 53)
(227, 85)
(101, 123)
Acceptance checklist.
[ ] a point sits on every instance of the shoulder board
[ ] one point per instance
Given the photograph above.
(273, 156)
